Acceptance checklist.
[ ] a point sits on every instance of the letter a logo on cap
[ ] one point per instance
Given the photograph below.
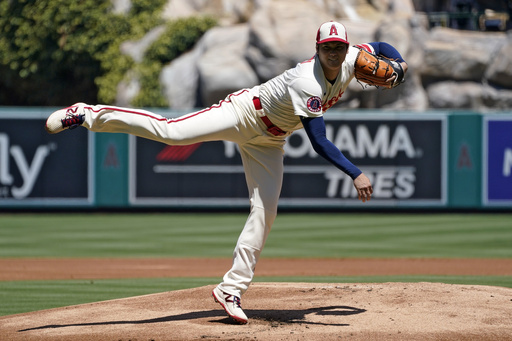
(333, 30)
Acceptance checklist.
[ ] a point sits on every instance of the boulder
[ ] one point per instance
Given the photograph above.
(222, 66)
(446, 60)
(259, 39)
(499, 72)
(121, 7)
(459, 55)
(180, 80)
(456, 95)
(360, 32)
(464, 95)
(397, 33)
(497, 99)
(409, 95)
(282, 34)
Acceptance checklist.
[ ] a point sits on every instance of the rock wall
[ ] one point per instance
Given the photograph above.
(258, 39)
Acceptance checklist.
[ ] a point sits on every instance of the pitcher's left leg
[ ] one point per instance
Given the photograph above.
(264, 171)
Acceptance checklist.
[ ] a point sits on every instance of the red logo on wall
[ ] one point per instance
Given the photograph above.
(177, 153)
(111, 160)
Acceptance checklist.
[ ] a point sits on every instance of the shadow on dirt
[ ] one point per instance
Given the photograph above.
(271, 316)
(299, 316)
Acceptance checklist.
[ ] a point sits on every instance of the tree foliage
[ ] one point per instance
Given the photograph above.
(178, 37)
(51, 49)
(55, 52)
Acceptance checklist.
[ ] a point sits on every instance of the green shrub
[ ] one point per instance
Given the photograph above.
(178, 37)
(53, 52)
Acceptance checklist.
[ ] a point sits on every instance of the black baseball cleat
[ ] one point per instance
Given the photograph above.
(67, 118)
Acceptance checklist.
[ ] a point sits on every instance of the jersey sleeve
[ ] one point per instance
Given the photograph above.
(368, 47)
(306, 98)
(315, 129)
(384, 49)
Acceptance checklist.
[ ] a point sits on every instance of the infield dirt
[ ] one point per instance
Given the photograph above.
(276, 311)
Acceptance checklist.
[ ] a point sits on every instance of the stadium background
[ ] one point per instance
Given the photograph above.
(79, 196)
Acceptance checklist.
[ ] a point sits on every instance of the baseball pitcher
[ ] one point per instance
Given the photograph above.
(259, 119)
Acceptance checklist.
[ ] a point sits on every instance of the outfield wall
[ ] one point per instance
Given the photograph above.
(434, 159)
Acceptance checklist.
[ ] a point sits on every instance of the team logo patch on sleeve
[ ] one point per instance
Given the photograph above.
(314, 104)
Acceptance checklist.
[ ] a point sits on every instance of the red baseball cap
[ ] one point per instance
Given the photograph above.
(331, 31)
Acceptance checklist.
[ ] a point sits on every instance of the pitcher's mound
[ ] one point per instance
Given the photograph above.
(284, 311)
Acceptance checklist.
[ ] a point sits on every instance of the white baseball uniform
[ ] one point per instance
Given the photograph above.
(258, 120)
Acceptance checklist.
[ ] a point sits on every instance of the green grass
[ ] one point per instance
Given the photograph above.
(293, 235)
(118, 235)
(350, 235)
(25, 296)
(393, 235)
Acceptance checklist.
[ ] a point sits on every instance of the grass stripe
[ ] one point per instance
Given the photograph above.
(25, 296)
(293, 235)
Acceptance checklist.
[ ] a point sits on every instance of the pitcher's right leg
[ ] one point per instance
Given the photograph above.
(99, 118)
(215, 123)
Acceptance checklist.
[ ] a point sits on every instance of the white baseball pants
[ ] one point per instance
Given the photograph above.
(234, 119)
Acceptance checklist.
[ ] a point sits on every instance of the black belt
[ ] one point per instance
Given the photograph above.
(271, 127)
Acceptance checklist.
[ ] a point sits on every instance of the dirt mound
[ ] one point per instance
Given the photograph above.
(284, 311)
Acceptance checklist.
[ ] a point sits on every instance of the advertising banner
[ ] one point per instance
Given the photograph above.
(403, 155)
(498, 160)
(403, 158)
(464, 159)
(37, 168)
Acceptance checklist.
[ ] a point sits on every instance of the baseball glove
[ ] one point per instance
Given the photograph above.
(375, 70)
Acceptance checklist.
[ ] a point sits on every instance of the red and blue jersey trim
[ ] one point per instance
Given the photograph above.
(366, 47)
